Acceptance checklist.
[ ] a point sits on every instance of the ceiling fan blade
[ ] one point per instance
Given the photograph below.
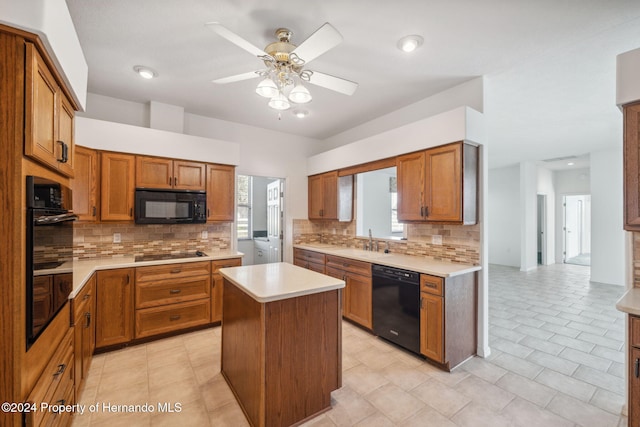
(334, 83)
(322, 40)
(236, 39)
(236, 78)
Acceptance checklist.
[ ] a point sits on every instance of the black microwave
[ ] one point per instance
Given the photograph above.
(170, 207)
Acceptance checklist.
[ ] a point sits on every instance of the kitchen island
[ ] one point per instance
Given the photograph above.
(281, 341)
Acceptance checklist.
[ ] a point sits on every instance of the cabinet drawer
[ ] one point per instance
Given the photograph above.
(432, 284)
(634, 331)
(54, 381)
(224, 263)
(353, 266)
(81, 302)
(172, 271)
(310, 256)
(152, 321)
(151, 294)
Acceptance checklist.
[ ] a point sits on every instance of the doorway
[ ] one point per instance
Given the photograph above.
(542, 227)
(577, 229)
(260, 219)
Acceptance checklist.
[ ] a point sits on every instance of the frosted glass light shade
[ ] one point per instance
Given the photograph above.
(300, 94)
(279, 102)
(267, 88)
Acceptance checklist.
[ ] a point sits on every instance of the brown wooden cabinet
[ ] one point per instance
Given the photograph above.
(114, 307)
(158, 172)
(330, 197)
(85, 184)
(83, 311)
(633, 401)
(311, 260)
(172, 297)
(217, 285)
(439, 184)
(49, 117)
(356, 296)
(220, 192)
(448, 321)
(117, 172)
(632, 167)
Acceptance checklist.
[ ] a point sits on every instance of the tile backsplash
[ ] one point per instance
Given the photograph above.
(460, 243)
(96, 240)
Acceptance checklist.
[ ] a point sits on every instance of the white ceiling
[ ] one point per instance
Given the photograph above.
(549, 65)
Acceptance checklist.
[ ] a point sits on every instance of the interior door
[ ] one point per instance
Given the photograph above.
(572, 226)
(274, 220)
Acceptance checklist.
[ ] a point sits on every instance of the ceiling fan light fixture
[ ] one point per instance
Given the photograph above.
(267, 88)
(300, 94)
(279, 102)
(145, 72)
(410, 43)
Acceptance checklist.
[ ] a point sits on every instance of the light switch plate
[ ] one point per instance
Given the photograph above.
(436, 239)
(204, 234)
(117, 238)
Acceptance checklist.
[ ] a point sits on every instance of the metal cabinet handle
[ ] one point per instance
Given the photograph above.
(426, 211)
(64, 156)
(95, 211)
(421, 210)
(176, 271)
(61, 369)
(175, 291)
(87, 316)
(637, 368)
(175, 181)
(174, 317)
(430, 285)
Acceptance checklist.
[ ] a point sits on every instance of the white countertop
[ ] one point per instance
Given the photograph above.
(278, 281)
(82, 270)
(406, 262)
(630, 302)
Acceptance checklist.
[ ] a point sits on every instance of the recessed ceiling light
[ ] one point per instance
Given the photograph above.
(410, 43)
(301, 114)
(570, 164)
(145, 72)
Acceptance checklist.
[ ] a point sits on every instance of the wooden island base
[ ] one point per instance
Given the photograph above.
(282, 359)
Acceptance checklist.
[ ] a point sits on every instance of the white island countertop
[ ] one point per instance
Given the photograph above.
(278, 281)
(407, 262)
(630, 302)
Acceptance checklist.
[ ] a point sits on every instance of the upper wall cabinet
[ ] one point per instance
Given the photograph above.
(220, 192)
(85, 184)
(48, 116)
(632, 167)
(331, 197)
(156, 172)
(117, 178)
(439, 184)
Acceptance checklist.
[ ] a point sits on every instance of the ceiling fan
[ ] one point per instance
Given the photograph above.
(285, 65)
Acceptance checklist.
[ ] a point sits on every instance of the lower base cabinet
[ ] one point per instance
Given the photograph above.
(448, 318)
(114, 307)
(634, 372)
(55, 386)
(83, 312)
(357, 293)
(217, 285)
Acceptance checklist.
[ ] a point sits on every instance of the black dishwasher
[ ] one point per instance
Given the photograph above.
(396, 306)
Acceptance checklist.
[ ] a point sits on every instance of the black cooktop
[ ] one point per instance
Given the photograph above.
(158, 257)
(47, 265)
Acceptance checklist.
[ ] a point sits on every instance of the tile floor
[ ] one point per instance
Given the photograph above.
(557, 360)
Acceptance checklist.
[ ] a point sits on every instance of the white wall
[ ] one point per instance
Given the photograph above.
(528, 216)
(567, 182)
(470, 93)
(627, 81)
(504, 216)
(546, 188)
(110, 109)
(607, 234)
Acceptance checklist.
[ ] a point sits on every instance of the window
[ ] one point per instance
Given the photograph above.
(243, 221)
(396, 227)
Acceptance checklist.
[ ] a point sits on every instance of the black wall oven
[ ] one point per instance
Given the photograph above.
(49, 231)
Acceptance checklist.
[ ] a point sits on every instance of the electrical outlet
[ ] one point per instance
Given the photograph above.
(334, 231)
(436, 239)
(204, 234)
(117, 238)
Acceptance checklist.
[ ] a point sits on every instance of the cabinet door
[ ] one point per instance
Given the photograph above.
(41, 98)
(358, 302)
(114, 307)
(632, 168)
(432, 326)
(340, 274)
(410, 182)
(443, 183)
(216, 283)
(154, 172)
(189, 175)
(330, 195)
(85, 184)
(634, 387)
(117, 173)
(220, 192)
(315, 196)
(65, 136)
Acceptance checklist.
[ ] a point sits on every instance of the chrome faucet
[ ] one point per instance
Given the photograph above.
(370, 241)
